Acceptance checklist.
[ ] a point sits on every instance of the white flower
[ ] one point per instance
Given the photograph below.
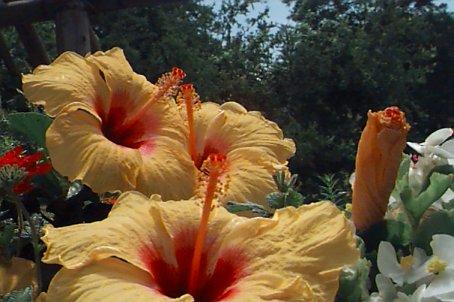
(441, 264)
(409, 269)
(436, 144)
(387, 292)
(436, 150)
(417, 296)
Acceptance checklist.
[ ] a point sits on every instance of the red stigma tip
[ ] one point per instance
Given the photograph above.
(187, 87)
(218, 158)
(178, 72)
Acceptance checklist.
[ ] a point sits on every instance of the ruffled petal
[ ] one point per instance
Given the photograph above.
(270, 286)
(313, 242)
(127, 227)
(109, 280)
(249, 176)
(127, 88)
(70, 78)
(234, 127)
(79, 150)
(167, 170)
(16, 274)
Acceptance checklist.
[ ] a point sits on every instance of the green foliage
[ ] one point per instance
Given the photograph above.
(31, 124)
(25, 295)
(398, 231)
(236, 207)
(7, 240)
(416, 206)
(287, 194)
(353, 283)
(329, 189)
(441, 222)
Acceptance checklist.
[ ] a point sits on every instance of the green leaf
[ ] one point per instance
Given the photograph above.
(276, 200)
(7, 240)
(353, 282)
(402, 176)
(398, 232)
(235, 207)
(24, 295)
(439, 183)
(31, 124)
(293, 198)
(441, 222)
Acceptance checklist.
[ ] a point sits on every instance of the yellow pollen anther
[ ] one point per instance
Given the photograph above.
(168, 84)
(406, 262)
(215, 164)
(436, 265)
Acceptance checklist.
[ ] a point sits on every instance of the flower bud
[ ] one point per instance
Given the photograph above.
(377, 163)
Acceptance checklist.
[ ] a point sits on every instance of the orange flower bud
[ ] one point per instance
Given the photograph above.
(377, 163)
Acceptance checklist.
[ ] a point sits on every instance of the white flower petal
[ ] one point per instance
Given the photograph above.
(441, 287)
(447, 196)
(387, 263)
(417, 147)
(386, 289)
(443, 247)
(439, 136)
(449, 146)
(438, 151)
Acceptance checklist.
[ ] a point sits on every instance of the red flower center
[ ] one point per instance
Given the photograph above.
(131, 124)
(134, 135)
(215, 281)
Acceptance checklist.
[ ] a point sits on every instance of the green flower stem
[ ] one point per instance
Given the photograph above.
(35, 239)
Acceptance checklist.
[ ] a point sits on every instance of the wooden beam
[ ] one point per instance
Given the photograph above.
(72, 27)
(7, 59)
(94, 41)
(33, 46)
(31, 11)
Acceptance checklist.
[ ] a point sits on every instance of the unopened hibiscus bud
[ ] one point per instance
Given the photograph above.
(377, 163)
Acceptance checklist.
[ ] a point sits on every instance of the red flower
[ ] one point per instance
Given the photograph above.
(31, 165)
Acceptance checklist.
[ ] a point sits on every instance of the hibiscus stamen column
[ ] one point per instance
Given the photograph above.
(167, 84)
(214, 164)
(190, 98)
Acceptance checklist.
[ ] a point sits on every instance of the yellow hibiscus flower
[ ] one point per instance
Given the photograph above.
(143, 251)
(254, 146)
(113, 129)
(377, 163)
(148, 250)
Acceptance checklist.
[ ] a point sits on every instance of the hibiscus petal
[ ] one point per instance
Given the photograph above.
(128, 89)
(250, 176)
(79, 150)
(68, 79)
(268, 286)
(239, 128)
(110, 280)
(167, 170)
(126, 227)
(314, 242)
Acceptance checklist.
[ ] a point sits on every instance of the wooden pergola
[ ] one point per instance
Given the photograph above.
(72, 25)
